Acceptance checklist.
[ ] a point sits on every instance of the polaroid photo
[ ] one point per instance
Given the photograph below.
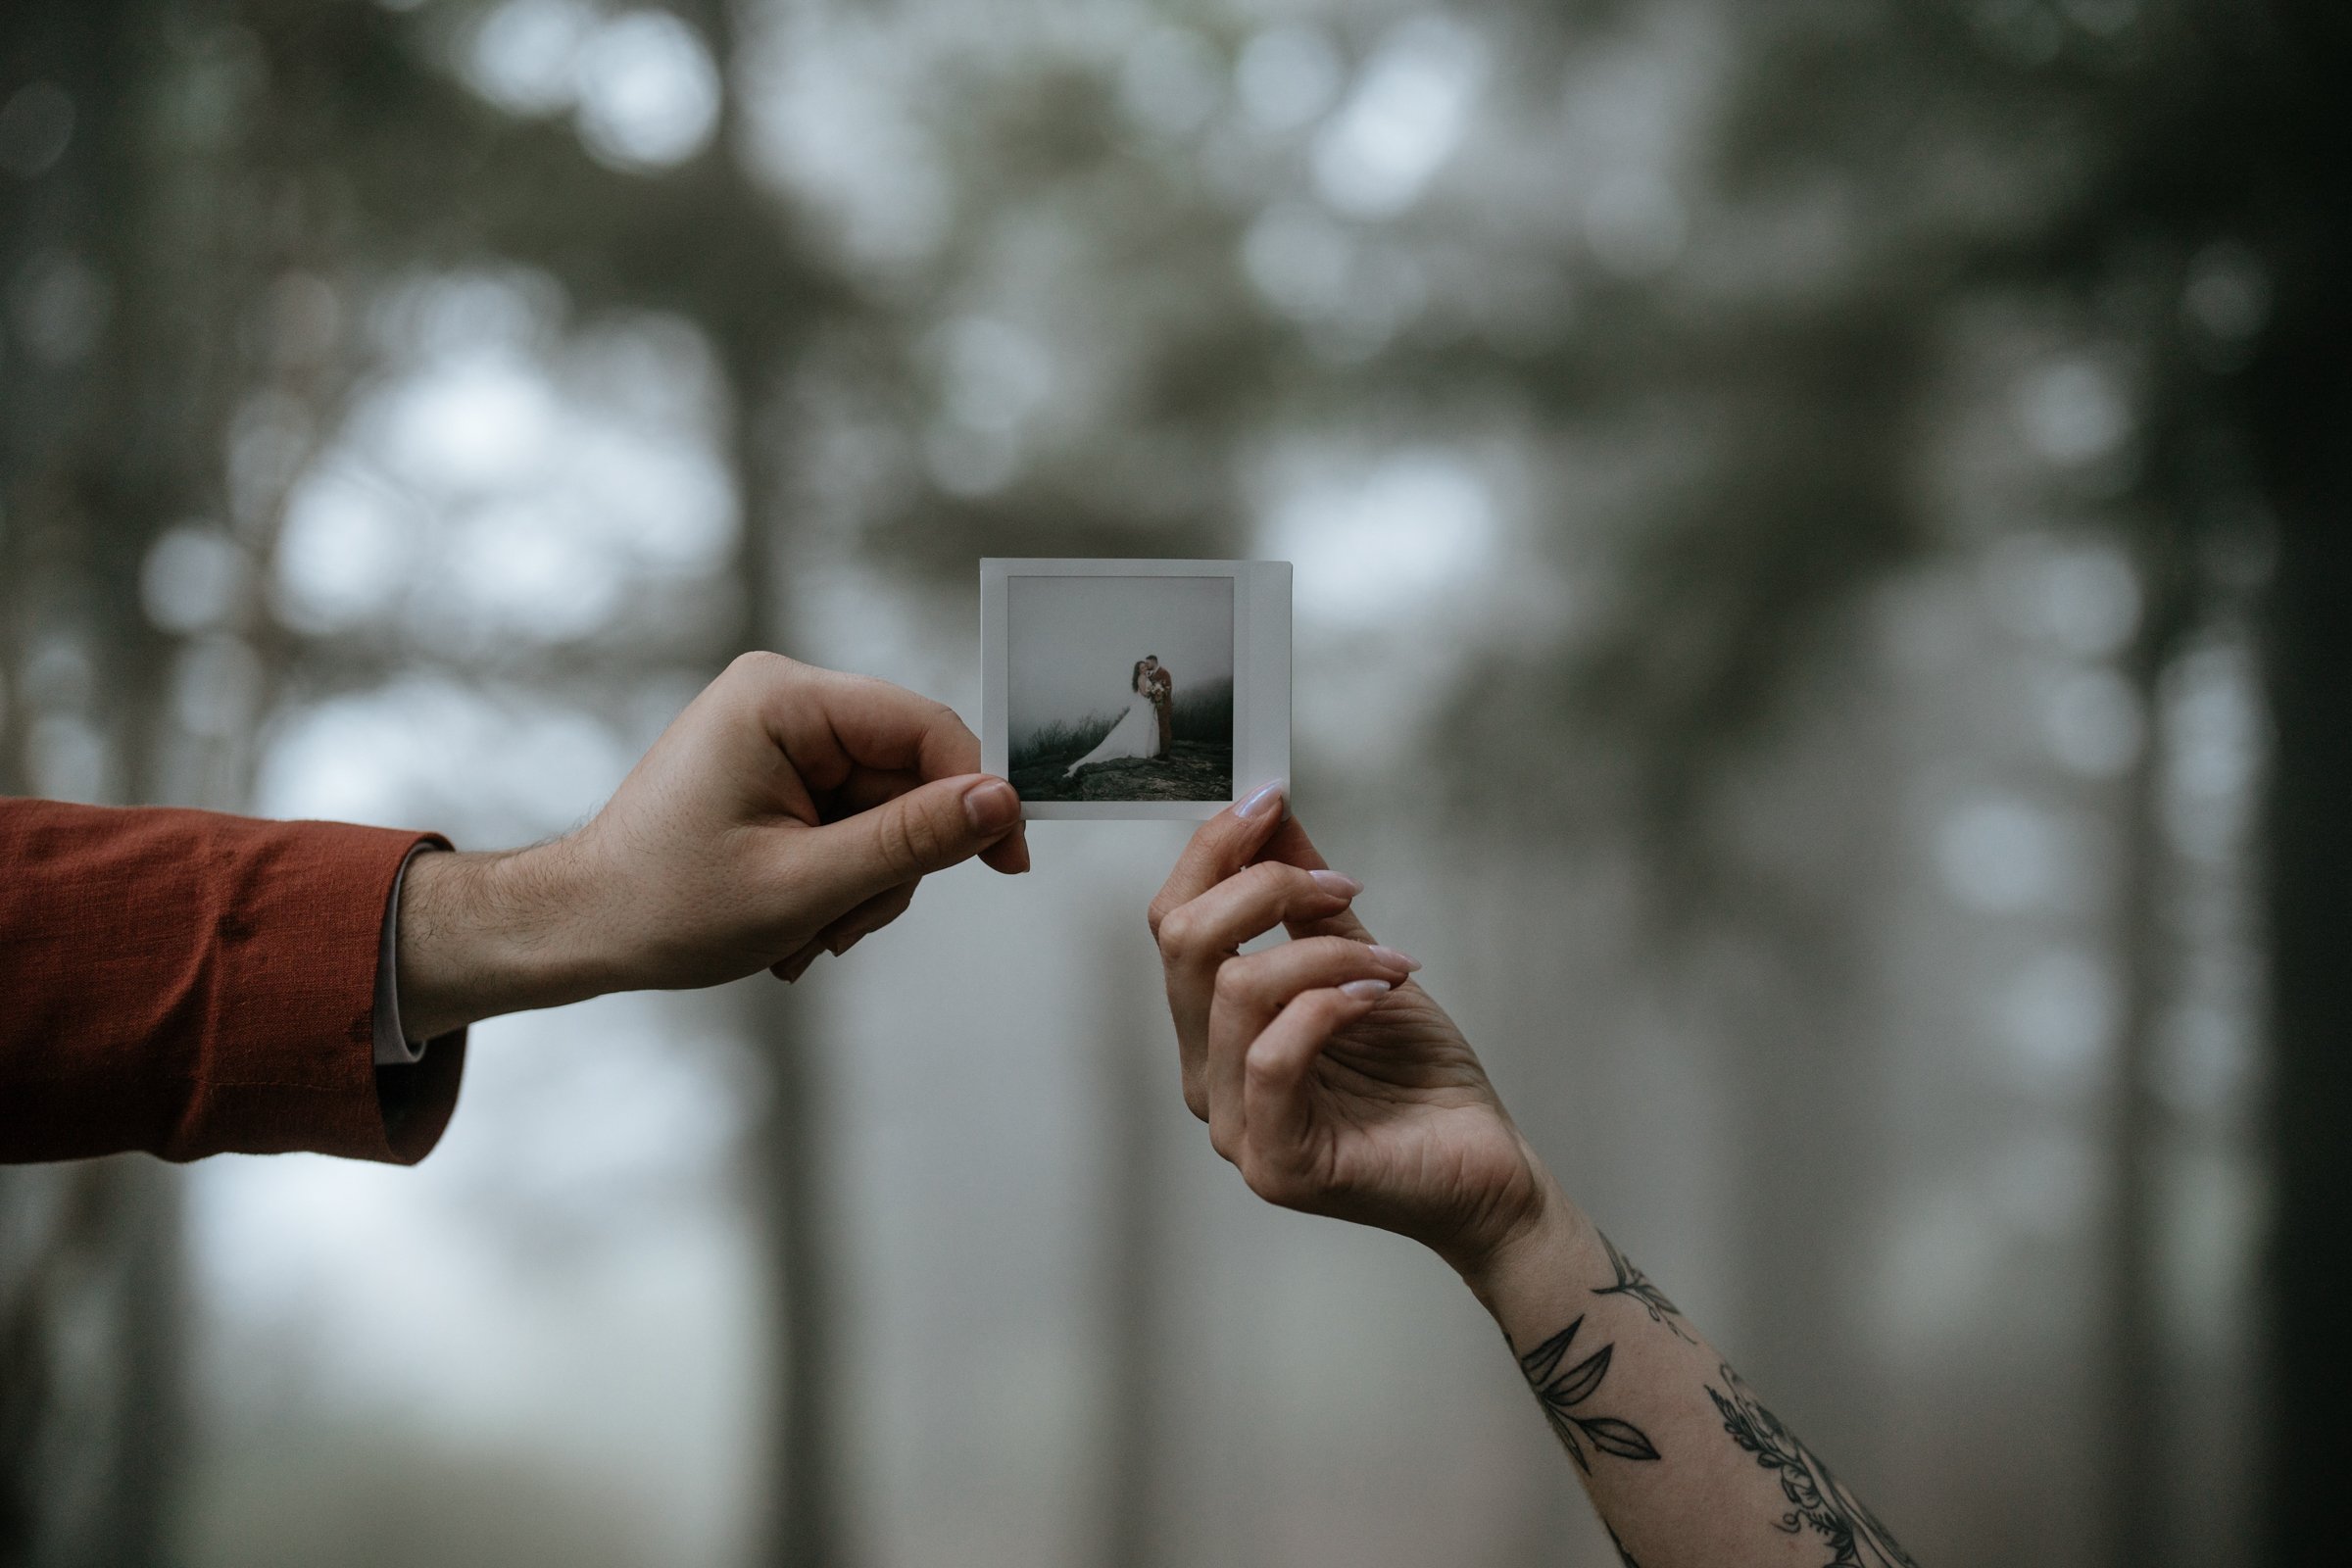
(1134, 688)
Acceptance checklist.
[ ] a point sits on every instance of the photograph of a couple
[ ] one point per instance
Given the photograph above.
(1121, 688)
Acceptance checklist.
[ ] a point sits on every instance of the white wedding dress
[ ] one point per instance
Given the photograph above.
(1135, 734)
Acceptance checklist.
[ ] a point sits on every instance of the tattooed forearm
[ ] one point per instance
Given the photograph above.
(1816, 1500)
(1706, 1503)
(1632, 1282)
(1560, 1395)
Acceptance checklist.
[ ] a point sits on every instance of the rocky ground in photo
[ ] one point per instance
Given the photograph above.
(1191, 771)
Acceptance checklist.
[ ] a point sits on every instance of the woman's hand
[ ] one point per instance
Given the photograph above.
(1339, 1088)
(1331, 1081)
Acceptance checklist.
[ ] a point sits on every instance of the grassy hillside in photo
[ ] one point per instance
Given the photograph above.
(1198, 766)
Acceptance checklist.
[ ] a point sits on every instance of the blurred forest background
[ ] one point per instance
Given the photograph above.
(1823, 612)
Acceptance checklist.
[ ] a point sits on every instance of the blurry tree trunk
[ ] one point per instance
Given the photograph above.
(2136, 1377)
(2305, 421)
(805, 1520)
(1132, 1247)
(1823, 457)
(804, 1523)
(113, 431)
(1809, 1088)
(806, 1517)
(2294, 195)
(90, 1408)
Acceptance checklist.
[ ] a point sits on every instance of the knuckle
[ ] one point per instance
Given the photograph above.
(759, 664)
(1155, 915)
(1266, 877)
(1195, 1093)
(1222, 1140)
(929, 838)
(935, 714)
(1178, 929)
(901, 840)
(927, 714)
(1286, 874)
(1237, 981)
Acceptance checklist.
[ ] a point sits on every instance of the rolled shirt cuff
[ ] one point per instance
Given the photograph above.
(393, 1047)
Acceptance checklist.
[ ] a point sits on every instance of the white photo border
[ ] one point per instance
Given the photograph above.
(1261, 674)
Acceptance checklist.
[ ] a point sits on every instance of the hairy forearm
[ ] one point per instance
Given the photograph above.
(1686, 1467)
(482, 935)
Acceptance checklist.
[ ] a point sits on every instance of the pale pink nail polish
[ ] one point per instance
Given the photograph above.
(1259, 800)
(1395, 959)
(1339, 886)
(1366, 989)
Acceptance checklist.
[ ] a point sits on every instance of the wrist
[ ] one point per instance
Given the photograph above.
(1524, 1272)
(482, 935)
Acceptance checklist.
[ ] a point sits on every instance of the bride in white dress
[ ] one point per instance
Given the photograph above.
(1135, 734)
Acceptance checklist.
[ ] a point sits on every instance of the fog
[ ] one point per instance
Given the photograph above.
(1805, 582)
(1072, 642)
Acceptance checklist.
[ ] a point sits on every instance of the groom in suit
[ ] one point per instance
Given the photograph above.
(1163, 697)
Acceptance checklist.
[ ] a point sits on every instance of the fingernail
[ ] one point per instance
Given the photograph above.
(1259, 800)
(1339, 886)
(1366, 989)
(1395, 959)
(992, 805)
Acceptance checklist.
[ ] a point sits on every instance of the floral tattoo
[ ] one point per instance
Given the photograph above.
(1817, 1500)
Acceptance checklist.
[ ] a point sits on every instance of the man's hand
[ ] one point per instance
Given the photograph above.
(1334, 1083)
(787, 812)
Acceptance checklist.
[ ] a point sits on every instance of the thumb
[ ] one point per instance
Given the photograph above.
(924, 830)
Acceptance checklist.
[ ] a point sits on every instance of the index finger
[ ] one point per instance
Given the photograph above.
(1225, 843)
(835, 726)
(830, 723)
(1291, 847)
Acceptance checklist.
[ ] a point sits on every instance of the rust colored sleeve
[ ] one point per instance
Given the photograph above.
(189, 983)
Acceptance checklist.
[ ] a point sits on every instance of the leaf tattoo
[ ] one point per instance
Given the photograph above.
(1624, 1556)
(1632, 1282)
(1560, 1394)
(1817, 1500)
(1577, 1386)
(1620, 1438)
